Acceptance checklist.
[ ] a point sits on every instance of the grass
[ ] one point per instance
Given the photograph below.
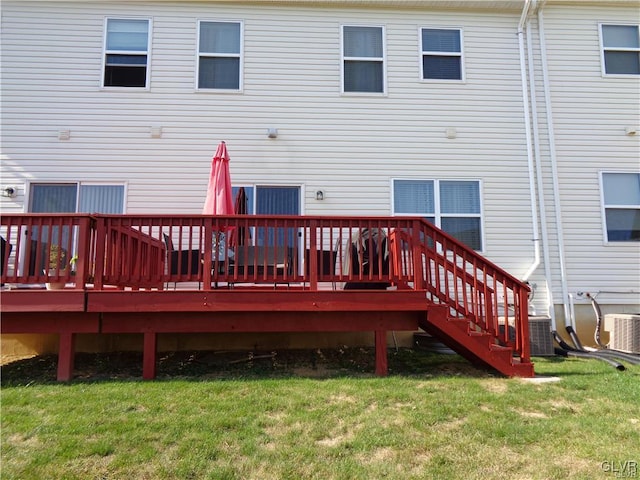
(322, 417)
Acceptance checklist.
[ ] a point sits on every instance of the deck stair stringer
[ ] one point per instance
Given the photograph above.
(477, 346)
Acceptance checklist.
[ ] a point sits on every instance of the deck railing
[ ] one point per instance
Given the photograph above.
(204, 252)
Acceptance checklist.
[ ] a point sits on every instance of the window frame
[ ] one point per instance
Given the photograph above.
(603, 49)
(422, 53)
(147, 53)
(382, 60)
(604, 206)
(437, 214)
(239, 55)
(78, 186)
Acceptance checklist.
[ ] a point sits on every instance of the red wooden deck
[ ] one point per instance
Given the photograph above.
(291, 274)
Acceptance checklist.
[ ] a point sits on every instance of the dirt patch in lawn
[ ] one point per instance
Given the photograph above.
(323, 363)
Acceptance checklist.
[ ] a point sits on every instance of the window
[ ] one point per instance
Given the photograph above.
(452, 205)
(621, 201)
(219, 55)
(271, 200)
(620, 49)
(73, 197)
(70, 198)
(363, 59)
(441, 54)
(126, 58)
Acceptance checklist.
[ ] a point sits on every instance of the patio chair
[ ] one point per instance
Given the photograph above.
(250, 261)
(182, 262)
(5, 252)
(364, 259)
(326, 262)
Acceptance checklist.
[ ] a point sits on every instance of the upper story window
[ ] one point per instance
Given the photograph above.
(452, 205)
(620, 49)
(441, 54)
(363, 59)
(126, 53)
(219, 55)
(621, 204)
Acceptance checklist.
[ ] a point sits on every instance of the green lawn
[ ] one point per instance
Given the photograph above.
(434, 417)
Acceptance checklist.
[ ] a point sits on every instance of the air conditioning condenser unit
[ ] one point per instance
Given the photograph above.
(624, 331)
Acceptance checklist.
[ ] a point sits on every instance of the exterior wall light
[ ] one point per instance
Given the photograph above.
(272, 132)
(319, 195)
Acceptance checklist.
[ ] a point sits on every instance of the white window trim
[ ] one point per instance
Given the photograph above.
(421, 53)
(147, 81)
(437, 214)
(240, 88)
(366, 59)
(604, 206)
(602, 49)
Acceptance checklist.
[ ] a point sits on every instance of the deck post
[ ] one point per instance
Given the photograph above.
(66, 352)
(149, 356)
(381, 352)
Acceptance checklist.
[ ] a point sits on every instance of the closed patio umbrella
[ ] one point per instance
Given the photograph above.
(219, 200)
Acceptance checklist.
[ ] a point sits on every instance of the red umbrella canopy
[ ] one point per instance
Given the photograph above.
(219, 199)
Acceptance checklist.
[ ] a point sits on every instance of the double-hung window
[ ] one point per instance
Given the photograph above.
(452, 205)
(441, 54)
(126, 53)
(363, 65)
(220, 55)
(620, 49)
(621, 206)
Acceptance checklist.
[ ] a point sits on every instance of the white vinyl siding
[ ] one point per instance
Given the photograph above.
(590, 114)
(348, 145)
(126, 52)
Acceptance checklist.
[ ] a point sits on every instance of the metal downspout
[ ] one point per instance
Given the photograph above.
(568, 313)
(527, 125)
(539, 178)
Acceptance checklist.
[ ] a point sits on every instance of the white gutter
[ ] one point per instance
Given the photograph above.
(527, 129)
(566, 300)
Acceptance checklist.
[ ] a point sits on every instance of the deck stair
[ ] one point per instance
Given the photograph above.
(477, 346)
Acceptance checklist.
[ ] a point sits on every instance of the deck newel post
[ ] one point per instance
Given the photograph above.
(149, 355)
(381, 352)
(66, 352)
(418, 247)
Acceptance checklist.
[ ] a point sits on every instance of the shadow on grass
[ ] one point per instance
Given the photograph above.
(562, 366)
(233, 365)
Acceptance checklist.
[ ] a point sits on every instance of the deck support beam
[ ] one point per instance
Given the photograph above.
(381, 353)
(66, 354)
(149, 355)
